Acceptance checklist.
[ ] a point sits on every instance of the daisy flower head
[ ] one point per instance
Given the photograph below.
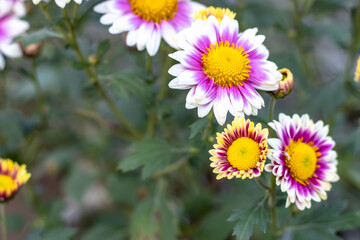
(147, 21)
(60, 3)
(10, 27)
(302, 159)
(240, 150)
(12, 178)
(16, 7)
(217, 12)
(223, 68)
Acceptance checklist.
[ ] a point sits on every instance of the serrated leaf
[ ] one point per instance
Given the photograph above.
(103, 48)
(38, 36)
(128, 82)
(327, 221)
(153, 220)
(198, 127)
(152, 154)
(248, 218)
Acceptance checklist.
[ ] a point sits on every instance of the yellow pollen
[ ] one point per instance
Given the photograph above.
(226, 64)
(219, 13)
(302, 161)
(7, 183)
(155, 11)
(244, 154)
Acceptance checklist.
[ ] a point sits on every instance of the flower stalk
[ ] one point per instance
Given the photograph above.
(94, 79)
(272, 190)
(3, 221)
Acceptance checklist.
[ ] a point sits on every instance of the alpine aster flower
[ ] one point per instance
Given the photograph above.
(16, 7)
(223, 68)
(302, 159)
(147, 21)
(240, 150)
(60, 3)
(12, 178)
(10, 27)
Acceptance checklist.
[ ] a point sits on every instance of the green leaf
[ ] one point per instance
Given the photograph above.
(326, 221)
(198, 127)
(38, 36)
(153, 220)
(152, 154)
(103, 48)
(120, 83)
(59, 234)
(11, 131)
(247, 218)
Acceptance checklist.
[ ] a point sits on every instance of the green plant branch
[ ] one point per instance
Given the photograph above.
(95, 81)
(272, 191)
(3, 221)
(263, 185)
(305, 58)
(209, 126)
(3, 88)
(355, 37)
(39, 92)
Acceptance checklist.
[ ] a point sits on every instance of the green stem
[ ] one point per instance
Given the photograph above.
(94, 79)
(165, 77)
(39, 92)
(305, 58)
(272, 108)
(149, 65)
(3, 221)
(150, 130)
(208, 127)
(353, 46)
(3, 89)
(263, 185)
(272, 191)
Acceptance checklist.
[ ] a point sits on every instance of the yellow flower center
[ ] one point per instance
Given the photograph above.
(219, 13)
(6, 182)
(302, 161)
(226, 64)
(244, 153)
(155, 11)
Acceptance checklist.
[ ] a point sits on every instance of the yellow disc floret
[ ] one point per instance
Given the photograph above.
(7, 183)
(301, 161)
(226, 64)
(244, 154)
(219, 13)
(155, 11)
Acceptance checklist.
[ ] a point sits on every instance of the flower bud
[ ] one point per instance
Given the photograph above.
(32, 50)
(93, 59)
(285, 85)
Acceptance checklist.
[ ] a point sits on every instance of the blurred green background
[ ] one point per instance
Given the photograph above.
(86, 183)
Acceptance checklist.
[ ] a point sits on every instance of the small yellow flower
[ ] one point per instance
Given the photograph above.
(219, 13)
(12, 178)
(240, 150)
(357, 71)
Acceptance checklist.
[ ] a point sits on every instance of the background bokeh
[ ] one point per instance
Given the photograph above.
(73, 145)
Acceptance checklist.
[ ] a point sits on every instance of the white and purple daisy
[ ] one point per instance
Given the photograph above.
(16, 7)
(302, 159)
(10, 27)
(223, 68)
(147, 21)
(60, 3)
